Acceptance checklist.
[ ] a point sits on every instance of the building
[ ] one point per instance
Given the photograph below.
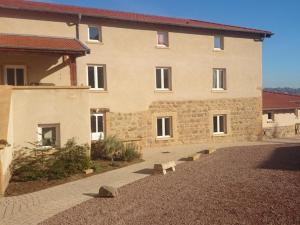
(88, 73)
(280, 114)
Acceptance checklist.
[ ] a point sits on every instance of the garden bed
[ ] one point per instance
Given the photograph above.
(18, 188)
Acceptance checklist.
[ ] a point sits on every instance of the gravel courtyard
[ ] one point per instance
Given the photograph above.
(240, 185)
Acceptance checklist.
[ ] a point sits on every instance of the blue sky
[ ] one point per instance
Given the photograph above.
(281, 61)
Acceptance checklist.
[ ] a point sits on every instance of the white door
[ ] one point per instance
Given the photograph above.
(97, 126)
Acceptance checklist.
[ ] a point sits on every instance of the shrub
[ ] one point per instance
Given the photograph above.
(130, 153)
(69, 160)
(37, 164)
(112, 148)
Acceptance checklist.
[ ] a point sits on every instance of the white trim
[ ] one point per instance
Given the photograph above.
(221, 43)
(218, 74)
(15, 74)
(218, 132)
(98, 134)
(162, 80)
(95, 66)
(167, 39)
(99, 32)
(40, 135)
(163, 119)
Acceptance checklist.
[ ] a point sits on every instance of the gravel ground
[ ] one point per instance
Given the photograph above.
(242, 185)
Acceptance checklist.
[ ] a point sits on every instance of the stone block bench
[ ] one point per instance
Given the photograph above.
(163, 167)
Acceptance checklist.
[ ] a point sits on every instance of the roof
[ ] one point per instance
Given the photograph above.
(126, 16)
(279, 101)
(42, 44)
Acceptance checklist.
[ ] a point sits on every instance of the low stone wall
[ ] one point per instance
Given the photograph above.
(6, 157)
(279, 131)
(192, 121)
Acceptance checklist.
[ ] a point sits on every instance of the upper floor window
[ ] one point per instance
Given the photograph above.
(270, 116)
(162, 39)
(219, 124)
(95, 33)
(163, 79)
(96, 77)
(219, 79)
(164, 127)
(15, 75)
(218, 43)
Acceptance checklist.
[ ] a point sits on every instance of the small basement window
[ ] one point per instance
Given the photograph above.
(49, 135)
(219, 123)
(164, 127)
(94, 34)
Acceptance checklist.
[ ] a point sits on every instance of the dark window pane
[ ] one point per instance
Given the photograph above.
(221, 78)
(270, 117)
(166, 78)
(168, 126)
(94, 33)
(222, 124)
(91, 76)
(49, 136)
(158, 78)
(100, 71)
(20, 77)
(159, 127)
(100, 123)
(93, 124)
(10, 76)
(215, 124)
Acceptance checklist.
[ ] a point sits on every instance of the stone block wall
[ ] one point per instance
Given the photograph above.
(192, 121)
(279, 132)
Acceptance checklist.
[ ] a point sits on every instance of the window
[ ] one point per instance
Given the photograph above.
(163, 79)
(162, 38)
(48, 135)
(164, 127)
(97, 126)
(15, 75)
(97, 77)
(219, 123)
(218, 43)
(95, 34)
(270, 116)
(219, 79)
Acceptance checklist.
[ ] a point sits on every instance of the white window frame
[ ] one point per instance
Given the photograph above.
(98, 135)
(40, 136)
(99, 28)
(167, 39)
(162, 80)
(15, 67)
(221, 44)
(218, 125)
(218, 88)
(164, 127)
(96, 88)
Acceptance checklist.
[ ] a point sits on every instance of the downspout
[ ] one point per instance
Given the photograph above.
(77, 26)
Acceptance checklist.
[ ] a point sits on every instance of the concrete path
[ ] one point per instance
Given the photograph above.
(30, 209)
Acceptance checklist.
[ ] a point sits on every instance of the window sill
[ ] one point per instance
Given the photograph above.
(164, 138)
(97, 91)
(162, 47)
(95, 42)
(163, 91)
(270, 121)
(218, 50)
(219, 90)
(220, 134)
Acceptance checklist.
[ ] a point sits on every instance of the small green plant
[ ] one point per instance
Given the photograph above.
(130, 153)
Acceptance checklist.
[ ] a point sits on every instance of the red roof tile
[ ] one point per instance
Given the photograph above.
(274, 100)
(102, 13)
(45, 44)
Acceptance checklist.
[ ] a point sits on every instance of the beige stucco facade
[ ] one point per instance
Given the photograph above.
(131, 104)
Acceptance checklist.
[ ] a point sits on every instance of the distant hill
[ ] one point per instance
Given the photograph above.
(294, 91)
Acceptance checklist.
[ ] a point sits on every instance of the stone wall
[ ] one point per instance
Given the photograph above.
(192, 121)
(279, 131)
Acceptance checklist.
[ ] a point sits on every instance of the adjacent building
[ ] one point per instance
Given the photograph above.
(280, 114)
